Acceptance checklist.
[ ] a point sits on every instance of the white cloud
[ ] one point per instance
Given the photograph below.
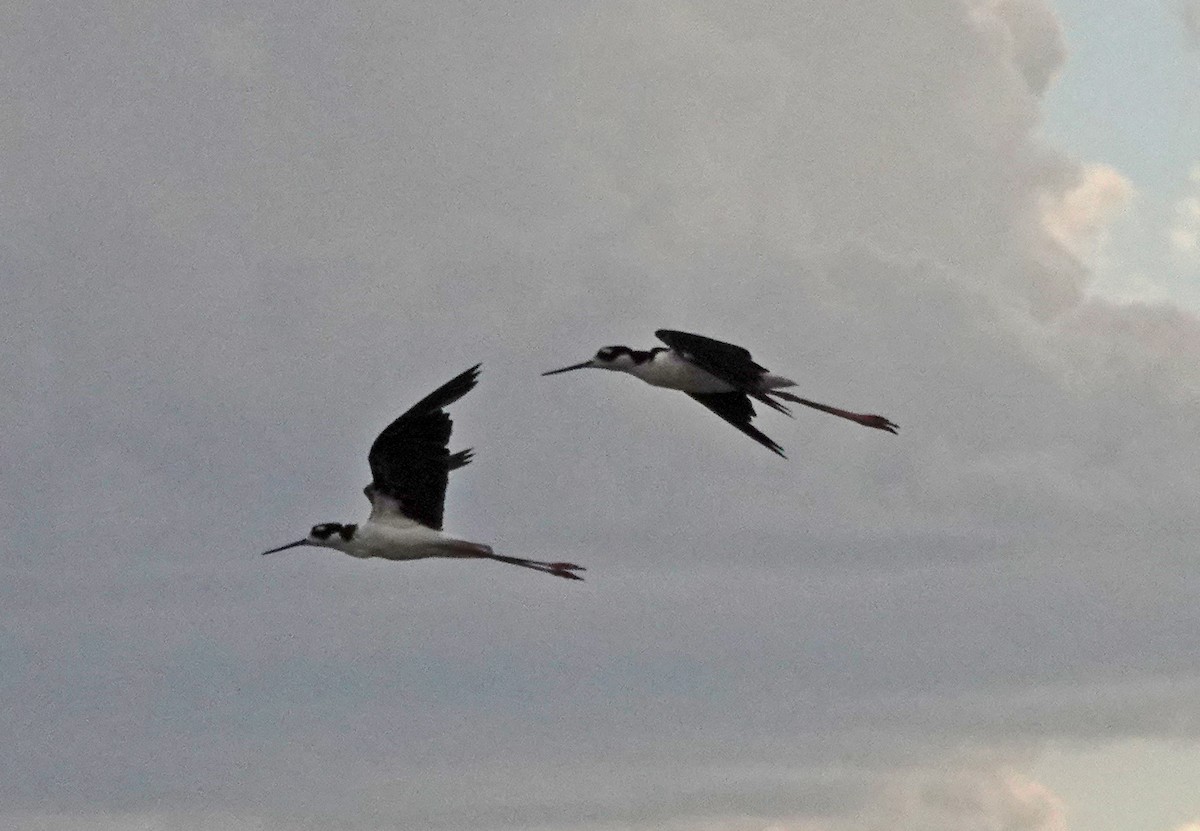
(1184, 233)
(1078, 217)
(995, 799)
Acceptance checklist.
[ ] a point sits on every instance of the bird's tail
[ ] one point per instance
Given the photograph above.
(769, 385)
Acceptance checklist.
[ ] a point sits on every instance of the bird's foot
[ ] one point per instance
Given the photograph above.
(879, 423)
(565, 570)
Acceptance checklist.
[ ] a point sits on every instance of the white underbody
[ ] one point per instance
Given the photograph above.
(668, 370)
(395, 537)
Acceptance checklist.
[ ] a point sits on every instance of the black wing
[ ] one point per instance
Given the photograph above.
(732, 364)
(737, 409)
(410, 461)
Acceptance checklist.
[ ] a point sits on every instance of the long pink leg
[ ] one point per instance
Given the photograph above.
(876, 421)
(557, 569)
(475, 549)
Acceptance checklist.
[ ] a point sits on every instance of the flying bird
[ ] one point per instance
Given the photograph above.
(410, 465)
(719, 375)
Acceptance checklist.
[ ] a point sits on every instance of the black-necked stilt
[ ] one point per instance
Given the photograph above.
(719, 375)
(410, 465)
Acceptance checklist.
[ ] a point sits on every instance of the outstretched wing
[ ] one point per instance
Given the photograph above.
(737, 409)
(410, 461)
(732, 364)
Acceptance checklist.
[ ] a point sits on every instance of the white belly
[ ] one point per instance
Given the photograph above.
(403, 542)
(669, 371)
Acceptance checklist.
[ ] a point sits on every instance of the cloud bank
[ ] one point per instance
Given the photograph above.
(238, 240)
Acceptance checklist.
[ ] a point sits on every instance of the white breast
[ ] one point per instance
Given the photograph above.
(397, 542)
(666, 369)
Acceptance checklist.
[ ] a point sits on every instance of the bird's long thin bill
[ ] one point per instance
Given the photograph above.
(286, 547)
(583, 365)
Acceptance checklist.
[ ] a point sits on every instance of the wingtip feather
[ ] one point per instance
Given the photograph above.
(460, 459)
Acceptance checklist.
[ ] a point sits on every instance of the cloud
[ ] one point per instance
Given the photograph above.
(1077, 218)
(1189, 16)
(1037, 42)
(136, 821)
(239, 49)
(1184, 234)
(248, 240)
(976, 800)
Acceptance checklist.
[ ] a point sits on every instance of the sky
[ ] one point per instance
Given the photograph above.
(240, 238)
(1128, 97)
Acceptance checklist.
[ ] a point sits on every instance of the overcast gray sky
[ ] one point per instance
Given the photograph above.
(238, 238)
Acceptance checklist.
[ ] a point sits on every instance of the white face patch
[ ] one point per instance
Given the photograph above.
(617, 357)
(325, 530)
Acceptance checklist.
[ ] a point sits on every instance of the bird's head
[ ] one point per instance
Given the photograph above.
(326, 535)
(619, 358)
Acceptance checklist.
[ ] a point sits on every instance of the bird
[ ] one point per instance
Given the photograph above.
(721, 376)
(410, 465)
